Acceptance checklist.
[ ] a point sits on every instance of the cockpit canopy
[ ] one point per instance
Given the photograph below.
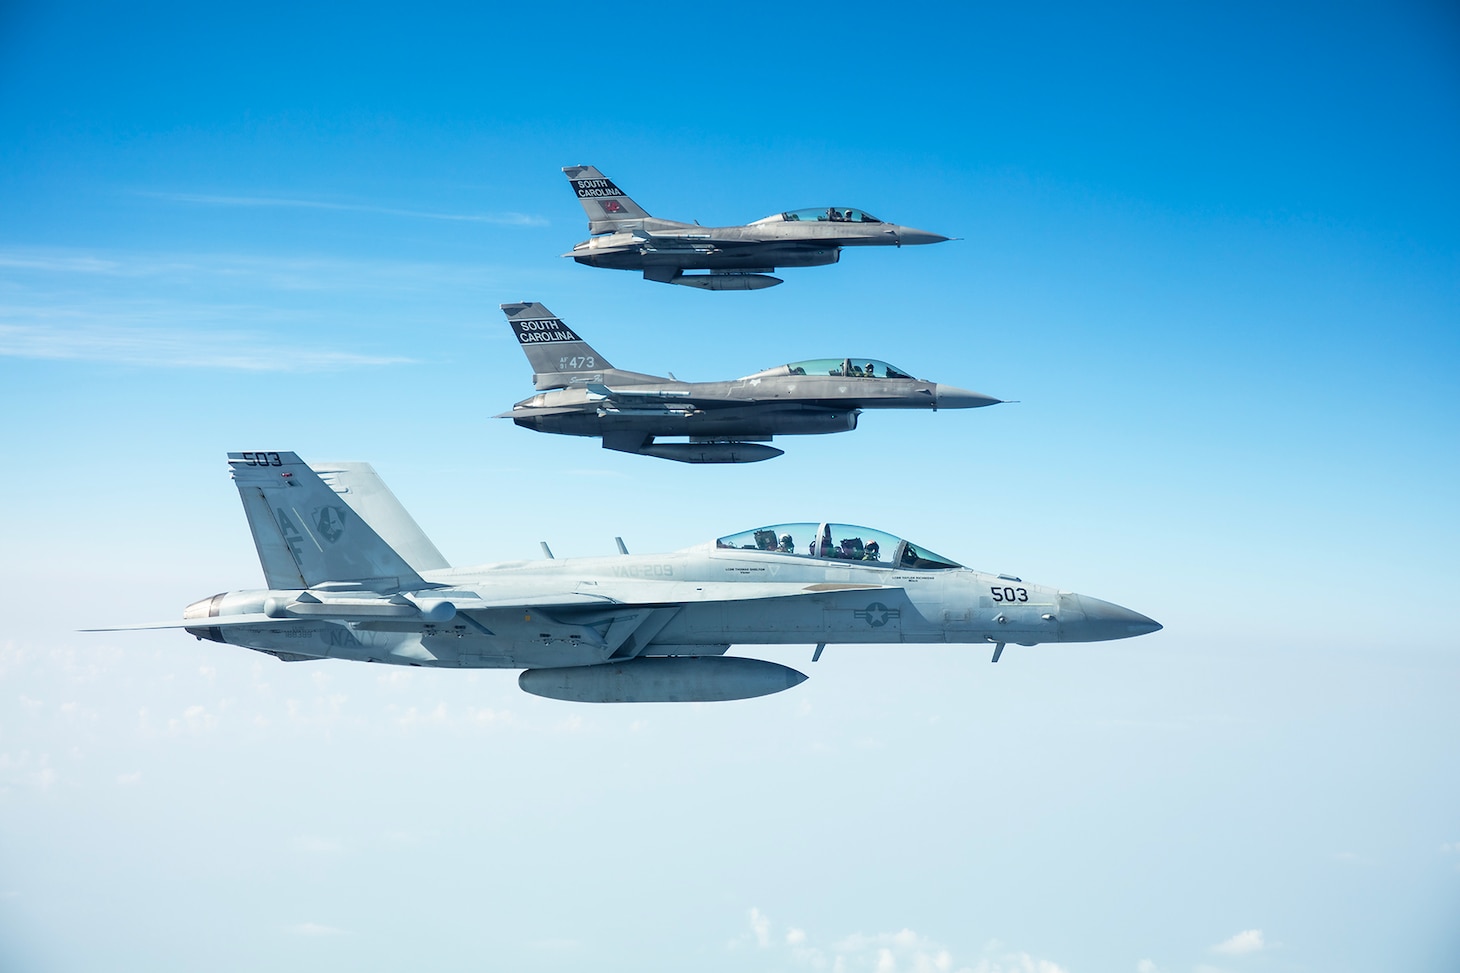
(843, 367)
(823, 214)
(841, 542)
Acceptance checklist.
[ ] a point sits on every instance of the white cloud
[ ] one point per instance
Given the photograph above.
(320, 711)
(1015, 962)
(194, 719)
(396, 679)
(127, 779)
(484, 716)
(1246, 942)
(76, 712)
(27, 768)
(761, 927)
(904, 951)
(413, 716)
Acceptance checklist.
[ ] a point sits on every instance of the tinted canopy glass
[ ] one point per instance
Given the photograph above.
(841, 542)
(842, 367)
(823, 214)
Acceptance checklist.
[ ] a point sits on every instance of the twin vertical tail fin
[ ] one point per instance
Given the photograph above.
(308, 533)
(362, 488)
(559, 358)
(607, 207)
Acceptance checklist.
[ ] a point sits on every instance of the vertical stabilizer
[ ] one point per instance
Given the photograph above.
(559, 357)
(306, 533)
(607, 207)
(362, 488)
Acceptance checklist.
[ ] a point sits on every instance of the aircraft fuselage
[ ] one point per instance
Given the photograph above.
(696, 602)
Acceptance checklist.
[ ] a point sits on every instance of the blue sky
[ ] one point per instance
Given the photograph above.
(1211, 250)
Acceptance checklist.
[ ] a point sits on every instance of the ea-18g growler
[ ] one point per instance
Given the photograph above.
(351, 576)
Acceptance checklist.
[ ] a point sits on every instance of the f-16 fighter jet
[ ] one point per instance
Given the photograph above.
(581, 394)
(738, 258)
(351, 576)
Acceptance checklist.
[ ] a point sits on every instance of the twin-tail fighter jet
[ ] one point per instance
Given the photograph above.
(581, 394)
(739, 258)
(351, 576)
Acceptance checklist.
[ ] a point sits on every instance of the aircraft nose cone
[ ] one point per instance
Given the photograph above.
(909, 237)
(948, 397)
(1101, 620)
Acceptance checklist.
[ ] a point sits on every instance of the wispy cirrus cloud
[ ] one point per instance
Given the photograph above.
(250, 312)
(46, 270)
(164, 348)
(206, 199)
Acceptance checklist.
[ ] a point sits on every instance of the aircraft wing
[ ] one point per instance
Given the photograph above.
(634, 399)
(590, 595)
(615, 592)
(627, 591)
(628, 395)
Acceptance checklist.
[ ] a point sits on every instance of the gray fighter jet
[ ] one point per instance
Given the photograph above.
(738, 258)
(581, 394)
(351, 576)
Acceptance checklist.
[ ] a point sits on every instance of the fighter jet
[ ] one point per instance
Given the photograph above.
(738, 258)
(351, 576)
(581, 394)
